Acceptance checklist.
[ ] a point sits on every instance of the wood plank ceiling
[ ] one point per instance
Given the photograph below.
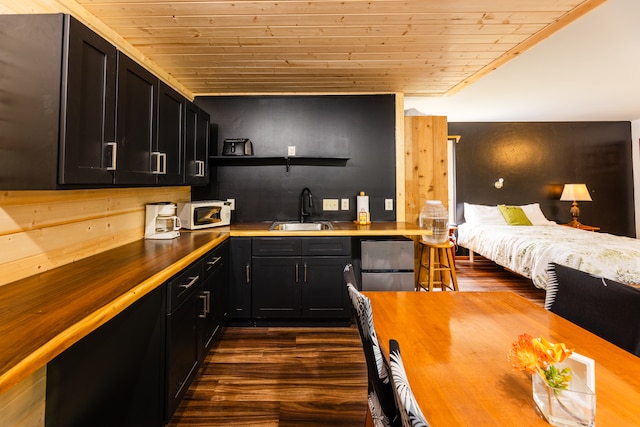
(417, 47)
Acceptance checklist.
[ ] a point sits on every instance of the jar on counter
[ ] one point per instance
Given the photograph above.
(434, 217)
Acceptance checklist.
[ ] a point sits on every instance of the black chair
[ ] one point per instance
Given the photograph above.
(410, 411)
(381, 400)
(607, 308)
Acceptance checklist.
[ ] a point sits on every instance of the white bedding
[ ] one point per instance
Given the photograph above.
(527, 250)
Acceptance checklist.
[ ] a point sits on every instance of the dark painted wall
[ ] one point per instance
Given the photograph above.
(536, 159)
(361, 128)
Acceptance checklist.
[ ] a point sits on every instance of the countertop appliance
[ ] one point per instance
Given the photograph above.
(387, 265)
(237, 147)
(161, 221)
(204, 214)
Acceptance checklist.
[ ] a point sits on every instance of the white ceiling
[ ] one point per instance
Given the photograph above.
(587, 71)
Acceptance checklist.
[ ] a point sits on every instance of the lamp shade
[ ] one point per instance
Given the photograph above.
(575, 193)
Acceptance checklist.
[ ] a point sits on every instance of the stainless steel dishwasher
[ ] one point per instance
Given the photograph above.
(387, 265)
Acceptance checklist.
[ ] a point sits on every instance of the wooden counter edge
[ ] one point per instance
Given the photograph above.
(94, 320)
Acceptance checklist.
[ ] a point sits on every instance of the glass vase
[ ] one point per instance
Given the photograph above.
(574, 406)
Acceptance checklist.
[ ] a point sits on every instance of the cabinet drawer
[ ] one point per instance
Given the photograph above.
(323, 246)
(276, 246)
(213, 261)
(182, 285)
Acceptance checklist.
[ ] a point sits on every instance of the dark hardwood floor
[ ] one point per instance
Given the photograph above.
(303, 376)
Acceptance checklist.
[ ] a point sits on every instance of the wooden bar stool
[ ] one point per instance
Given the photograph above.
(440, 266)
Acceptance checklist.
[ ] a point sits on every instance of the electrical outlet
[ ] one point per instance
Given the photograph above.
(232, 204)
(329, 204)
(291, 150)
(388, 204)
(345, 204)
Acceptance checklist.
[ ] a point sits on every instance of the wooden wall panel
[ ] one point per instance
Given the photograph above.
(425, 162)
(23, 405)
(41, 230)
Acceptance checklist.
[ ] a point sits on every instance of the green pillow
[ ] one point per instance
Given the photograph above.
(514, 215)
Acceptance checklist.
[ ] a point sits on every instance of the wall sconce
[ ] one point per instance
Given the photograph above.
(498, 184)
(575, 193)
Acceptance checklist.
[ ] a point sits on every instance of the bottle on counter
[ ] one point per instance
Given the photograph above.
(362, 209)
(434, 217)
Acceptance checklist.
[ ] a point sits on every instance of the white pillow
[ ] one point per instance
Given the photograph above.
(483, 215)
(535, 215)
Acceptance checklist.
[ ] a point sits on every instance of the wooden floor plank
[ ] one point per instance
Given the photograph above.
(303, 377)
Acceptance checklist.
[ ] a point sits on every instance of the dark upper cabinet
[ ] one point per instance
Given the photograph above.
(88, 106)
(197, 123)
(167, 158)
(77, 113)
(136, 119)
(58, 82)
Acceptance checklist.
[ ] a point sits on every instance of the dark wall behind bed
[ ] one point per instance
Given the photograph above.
(536, 159)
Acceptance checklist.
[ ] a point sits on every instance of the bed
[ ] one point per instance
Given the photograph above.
(529, 249)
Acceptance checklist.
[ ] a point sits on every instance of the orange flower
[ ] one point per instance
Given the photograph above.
(533, 355)
(523, 356)
(554, 353)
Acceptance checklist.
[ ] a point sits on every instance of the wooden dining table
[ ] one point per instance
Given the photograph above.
(454, 348)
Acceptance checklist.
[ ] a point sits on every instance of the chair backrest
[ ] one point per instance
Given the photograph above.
(410, 411)
(607, 308)
(377, 367)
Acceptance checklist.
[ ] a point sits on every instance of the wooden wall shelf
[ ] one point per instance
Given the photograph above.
(286, 161)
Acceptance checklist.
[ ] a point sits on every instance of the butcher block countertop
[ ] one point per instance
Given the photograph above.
(43, 315)
(260, 229)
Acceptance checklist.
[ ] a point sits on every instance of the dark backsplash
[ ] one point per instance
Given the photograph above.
(359, 127)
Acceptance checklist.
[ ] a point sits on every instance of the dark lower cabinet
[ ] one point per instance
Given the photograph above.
(213, 298)
(115, 375)
(240, 278)
(184, 306)
(300, 278)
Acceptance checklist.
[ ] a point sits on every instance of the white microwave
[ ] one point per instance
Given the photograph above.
(204, 214)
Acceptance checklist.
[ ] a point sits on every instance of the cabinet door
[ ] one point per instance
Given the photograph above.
(275, 290)
(323, 292)
(87, 132)
(240, 278)
(196, 166)
(135, 127)
(213, 297)
(113, 376)
(182, 350)
(167, 158)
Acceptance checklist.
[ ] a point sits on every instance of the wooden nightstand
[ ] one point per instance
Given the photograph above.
(584, 227)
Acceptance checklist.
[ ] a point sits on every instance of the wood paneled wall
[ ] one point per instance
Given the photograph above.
(425, 163)
(41, 230)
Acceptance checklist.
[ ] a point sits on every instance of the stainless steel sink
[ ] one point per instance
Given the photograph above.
(301, 226)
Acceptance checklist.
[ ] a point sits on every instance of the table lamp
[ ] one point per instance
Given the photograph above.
(575, 193)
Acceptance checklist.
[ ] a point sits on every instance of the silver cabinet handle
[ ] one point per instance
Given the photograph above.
(247, 271)
(305, 273)
(203, 315)
(207, 307)
(215, 261)
(192, 281)
(114, 155)
(297, 273)
(160, 167)
(199, 168)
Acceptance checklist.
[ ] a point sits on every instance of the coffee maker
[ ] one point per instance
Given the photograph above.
(161, 221)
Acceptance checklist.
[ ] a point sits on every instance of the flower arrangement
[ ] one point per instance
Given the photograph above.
(533, 355)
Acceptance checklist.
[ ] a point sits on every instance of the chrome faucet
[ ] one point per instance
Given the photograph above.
(303, 212)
